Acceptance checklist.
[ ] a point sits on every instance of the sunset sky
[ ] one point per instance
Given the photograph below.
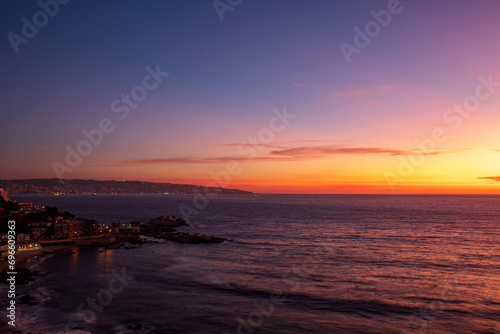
(353, 126)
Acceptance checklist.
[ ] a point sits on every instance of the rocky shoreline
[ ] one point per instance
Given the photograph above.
(164, 227)
(23, 276)
(161, 227)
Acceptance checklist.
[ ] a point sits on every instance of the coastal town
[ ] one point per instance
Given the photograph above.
(43, 227)
(37, 227)
(60, 187)
(28, 231)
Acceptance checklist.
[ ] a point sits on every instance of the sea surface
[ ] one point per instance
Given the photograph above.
(296, 264)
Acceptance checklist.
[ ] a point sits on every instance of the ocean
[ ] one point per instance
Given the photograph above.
(296, 264)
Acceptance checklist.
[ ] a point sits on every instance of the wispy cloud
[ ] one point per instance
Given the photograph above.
(202, 160)
(318, 151)
(495, 150)
(285, 154)
(492, 178)
(298, 84)
(336, 141)
(358, 92)
(253, 145)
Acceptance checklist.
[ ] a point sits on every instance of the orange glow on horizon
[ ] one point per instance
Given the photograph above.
(265, 187)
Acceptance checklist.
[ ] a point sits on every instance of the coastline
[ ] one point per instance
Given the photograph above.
(26, 259)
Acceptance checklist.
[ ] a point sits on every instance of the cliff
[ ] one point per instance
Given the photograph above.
(77, 186)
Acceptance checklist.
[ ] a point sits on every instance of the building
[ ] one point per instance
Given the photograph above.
(63, 229)
(21, 237)
(127, 231)
(38, 229)
(127, 227)
(87, 227)
(76, 228)
(28, 247)
(27, 208)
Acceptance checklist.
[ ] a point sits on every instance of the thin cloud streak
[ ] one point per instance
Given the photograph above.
(207, 160)
(492, 178)
(253, 145)
(335, 150)
(288, 154)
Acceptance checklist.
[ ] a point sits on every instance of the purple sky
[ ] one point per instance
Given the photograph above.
(353, 120)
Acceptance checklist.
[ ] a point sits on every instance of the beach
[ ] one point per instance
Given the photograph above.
(28, 258)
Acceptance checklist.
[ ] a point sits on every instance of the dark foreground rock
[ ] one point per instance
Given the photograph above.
(23, 276)
(164, 227)
(136, 326)
(188, 238)
(167, 221)
(28, 300)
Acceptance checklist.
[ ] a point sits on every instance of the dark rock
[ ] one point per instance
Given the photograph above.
(23, 276)
(163, 227)
(28, 300)
(136, 326)
(167, 221)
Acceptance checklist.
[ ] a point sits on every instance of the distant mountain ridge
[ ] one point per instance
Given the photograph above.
(79, 186)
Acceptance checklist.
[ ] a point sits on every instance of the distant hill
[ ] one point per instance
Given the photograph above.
(76, 186)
